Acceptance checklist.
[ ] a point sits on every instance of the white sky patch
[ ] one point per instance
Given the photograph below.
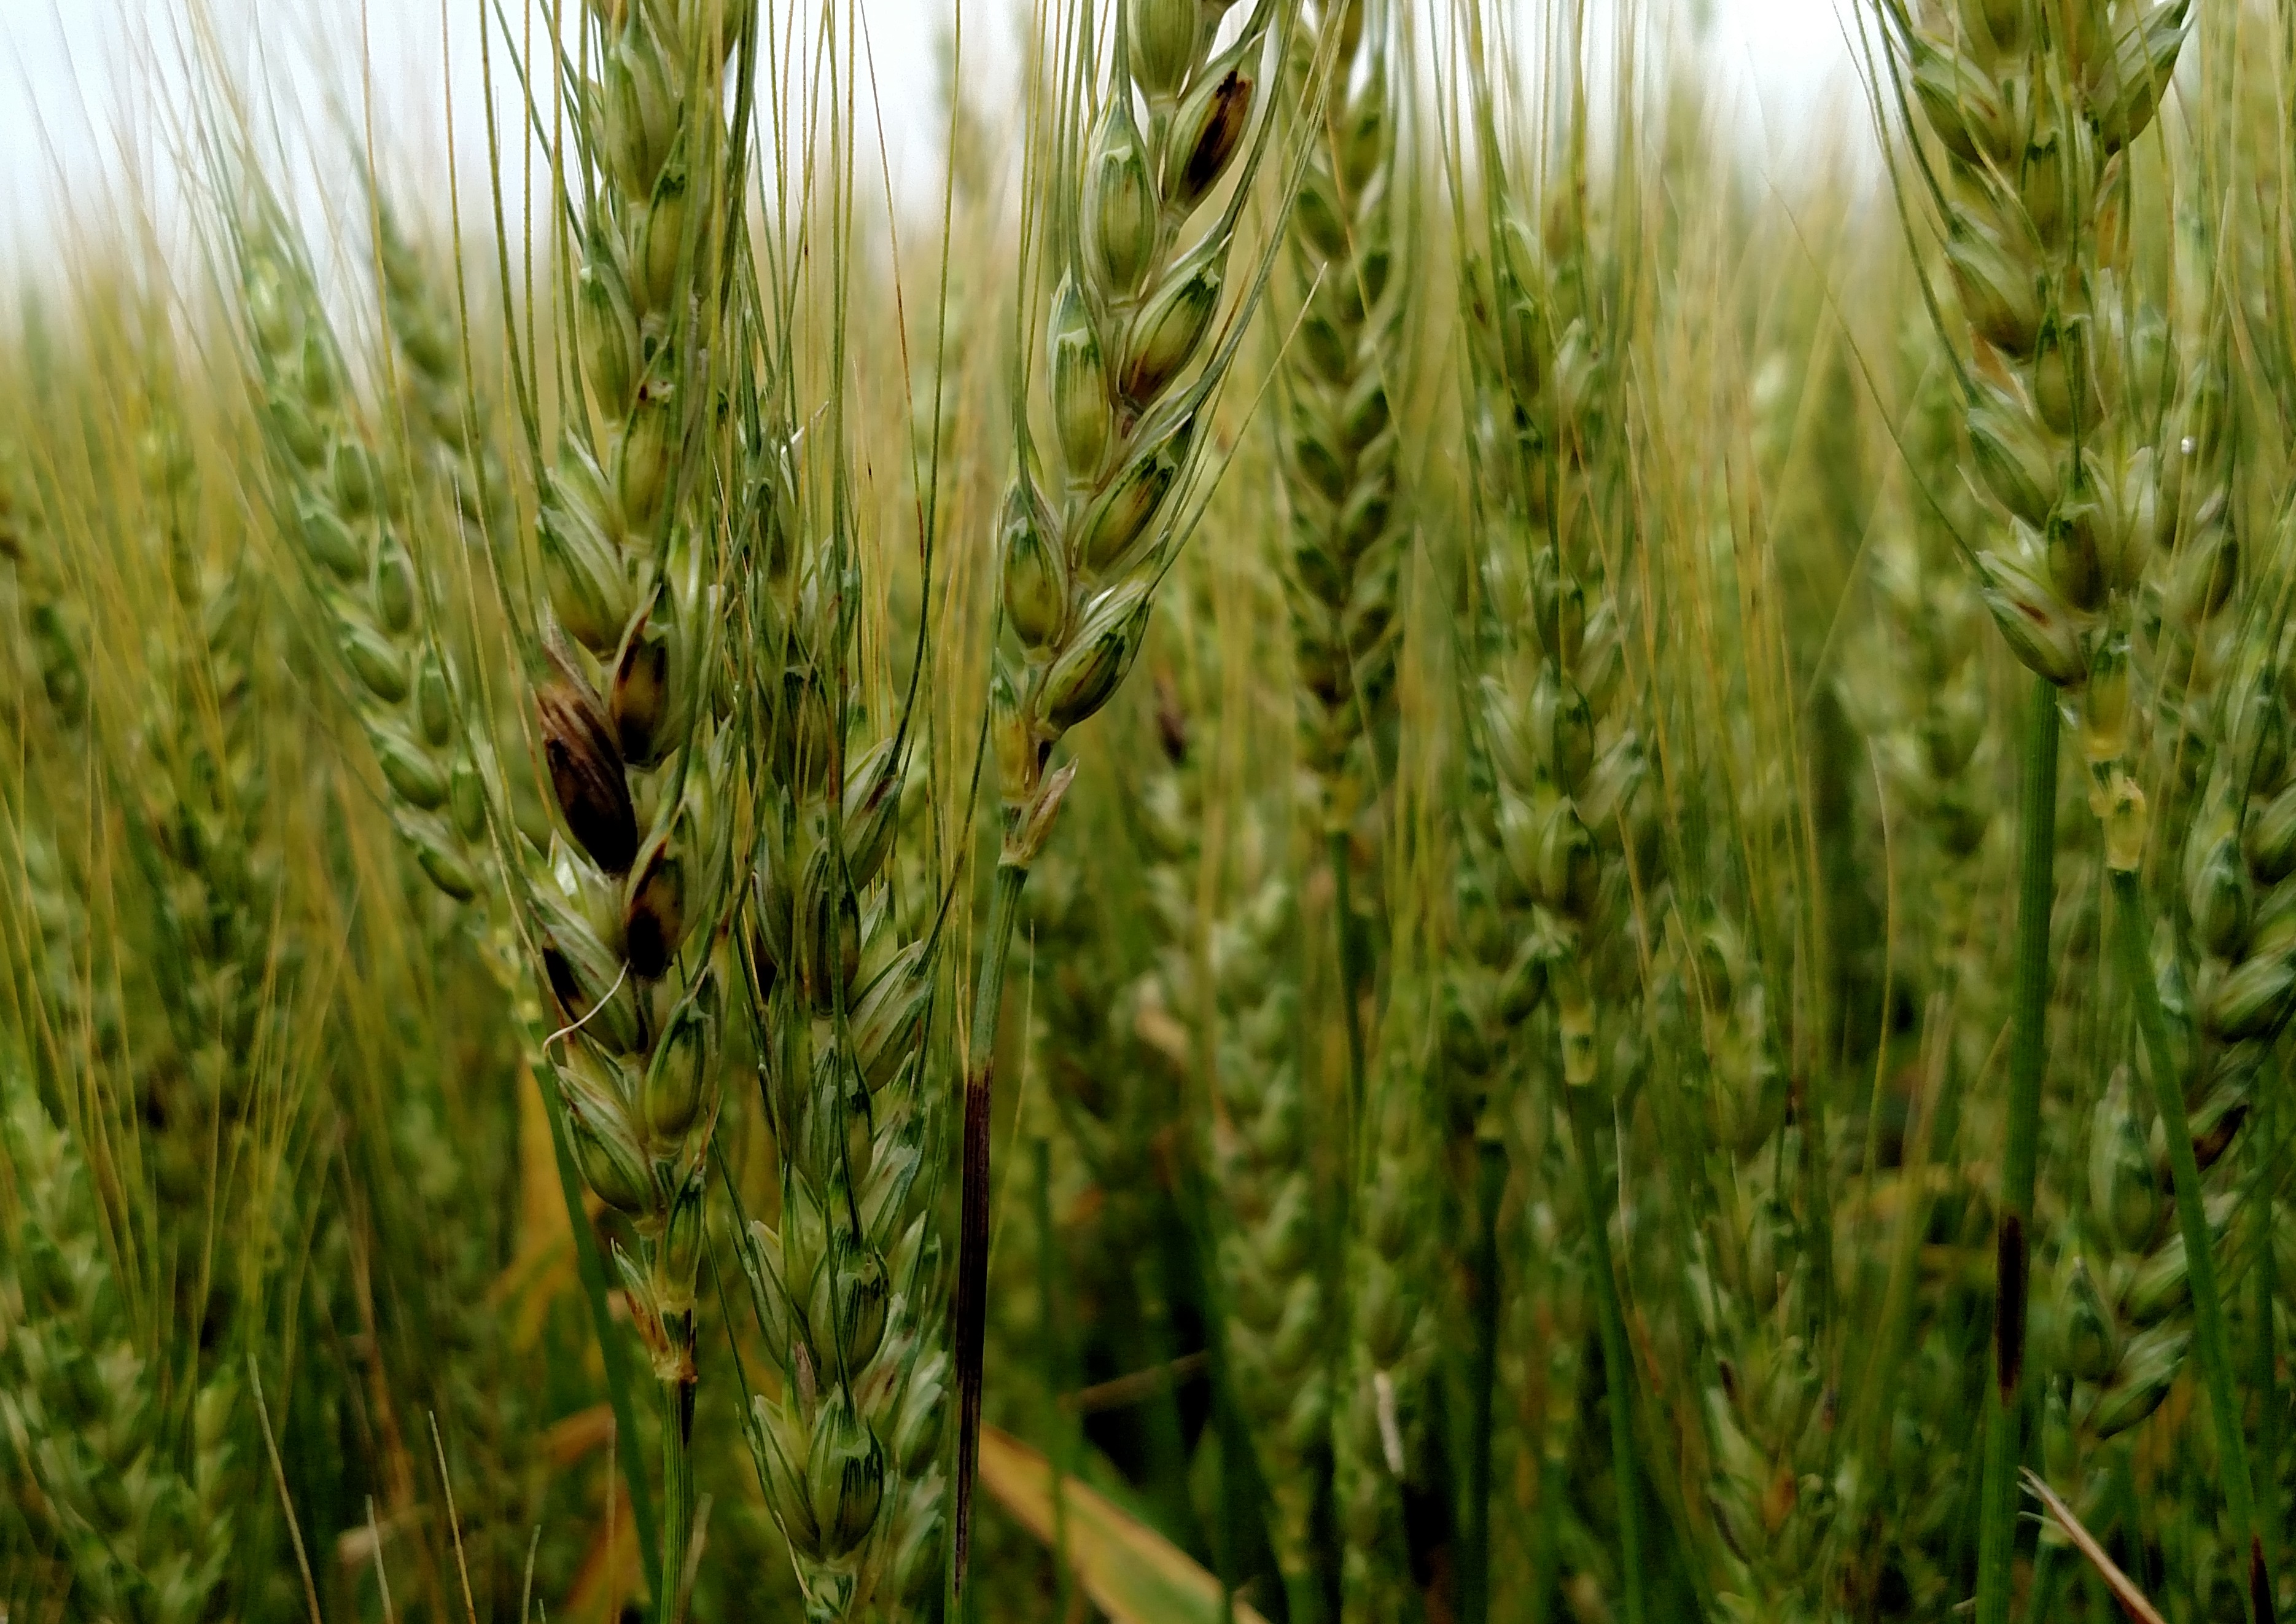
(93, 92)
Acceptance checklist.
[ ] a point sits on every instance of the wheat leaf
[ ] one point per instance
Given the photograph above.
(1132, 1573)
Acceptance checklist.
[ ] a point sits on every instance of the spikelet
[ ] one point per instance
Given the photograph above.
(171, 983)
(1339, 440)
(134, 1505)
(206, 769)
(2034, 120)
(2122, 1307)
(620, 899)
(1380, 1422)
(1557, 849)
(1920, 685)
(443, 417)
(41, 604)
(1766, 1409)
(1558, 713)
(336, 508)
(1135, 352)
(625, 907)
(1229, 982)
(839, 948)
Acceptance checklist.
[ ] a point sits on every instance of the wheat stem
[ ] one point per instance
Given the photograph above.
(1617, 1356)
(1475, 1561)
(972, 1222)
(676, 1497)
(2132, 939)
(1056, 1375)
(1587, 1127)
(613, 1349)
(2267, 1377)
(2027, 1060)
(1351, 995)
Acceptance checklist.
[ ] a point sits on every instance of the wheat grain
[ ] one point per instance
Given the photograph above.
(1562, 720)
(143, 1525)
(353, 555)
(1340, 437)
(840, 956)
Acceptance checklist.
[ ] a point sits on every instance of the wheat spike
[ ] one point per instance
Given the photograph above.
(136, 1508)
(838, 944)
(1340, 437)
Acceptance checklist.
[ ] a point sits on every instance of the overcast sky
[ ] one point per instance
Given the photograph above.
(91, 87)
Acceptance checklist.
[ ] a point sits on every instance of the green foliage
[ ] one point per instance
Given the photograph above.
(1570, 1057)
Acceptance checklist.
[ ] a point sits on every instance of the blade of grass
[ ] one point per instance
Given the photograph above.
(2123, 1588)
(1130, 1572)
(279, 1477)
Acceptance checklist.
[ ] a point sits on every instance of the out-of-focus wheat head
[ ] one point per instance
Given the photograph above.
(1554, 820)
(1560, 716)
(335, 502)
(1382, 1409)
(1227, 974)
(442, 413)
(1919, 684)
(39, 602)
(1340, 443)
(140, 1525)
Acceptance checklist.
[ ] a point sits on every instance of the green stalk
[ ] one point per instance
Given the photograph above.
(1343, 934)
(1618, 1367)
(1475, 1561)
(1546, 1533)
(612, 1350)
(2132, 936)
(1303, 1595)
(1054, 1348)
(972, 1224)
(2049, 1570)
(2036, 812)
(677, 1496)
(2268, 1287)
(1243, 1494)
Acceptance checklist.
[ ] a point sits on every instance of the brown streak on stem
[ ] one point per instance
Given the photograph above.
(971, 1305)
(972, 1227)
(2009, 1309)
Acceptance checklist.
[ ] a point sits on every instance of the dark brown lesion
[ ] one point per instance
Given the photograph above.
(971, 1306)
(2009, 1309)
(586, 766)
(1231, 111)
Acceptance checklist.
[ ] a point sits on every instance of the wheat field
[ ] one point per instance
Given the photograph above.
(1361, 839)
